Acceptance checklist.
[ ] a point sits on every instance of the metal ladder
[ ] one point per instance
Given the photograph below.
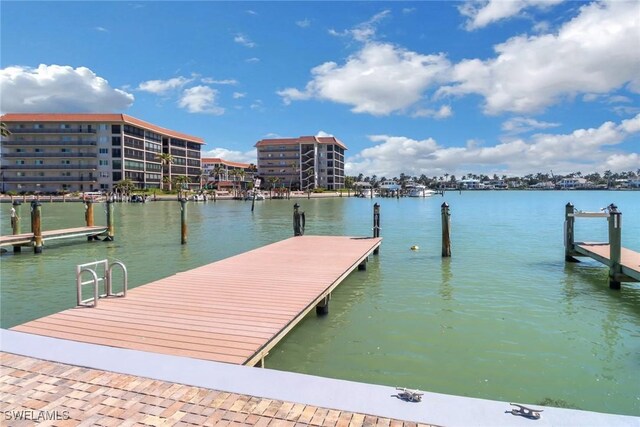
(100, 271)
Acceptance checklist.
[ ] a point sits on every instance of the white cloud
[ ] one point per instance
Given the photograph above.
(252, 60)
(233, 156)
(243, 40)
(590, 54)
(588, 149)
(200, 99)
(365, 31)
(101, 29)
(379, 79)
(322, 134)
(442, 113)
(483, 13)
(209, 80)
(303, 23)
(238, 95)
(160, 87)
(518, 125)
(58, 88)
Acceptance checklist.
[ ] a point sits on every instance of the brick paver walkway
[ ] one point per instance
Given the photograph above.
(78, 396)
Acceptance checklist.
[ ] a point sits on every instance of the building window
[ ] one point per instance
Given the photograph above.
(104, 151)
(66, 162)
(66, 173)
(39, 162)
(103, 162)
(102, 140)
(20, 174)
(38, 150)
(103, 126)
(64, 126)
(19, 150)
(37, 126)
(104, 174)
(19, 162)
(115, 128)
(65, 150)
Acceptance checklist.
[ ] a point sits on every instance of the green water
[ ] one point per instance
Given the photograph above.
(505, 318)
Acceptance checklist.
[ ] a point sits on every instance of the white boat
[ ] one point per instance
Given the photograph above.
(418, 190)
(259, 195)
(389, 185)
(198, 198)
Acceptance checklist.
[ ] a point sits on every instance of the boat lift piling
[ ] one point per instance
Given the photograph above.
(376, 225)
(446, 226)
(36, 227)
(15, 223)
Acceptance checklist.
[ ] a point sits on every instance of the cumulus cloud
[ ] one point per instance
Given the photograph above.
(322, 134)
(517, 125)
(238, 95)
(233, 155)
(243, 40)
(365, 31)
(589, 54)
(303, 23)
(485, 12)
(590, 149)
(442, 113)
(209, 80)
(379, 79)
(161, 87)
(200, 99)
(58, 88)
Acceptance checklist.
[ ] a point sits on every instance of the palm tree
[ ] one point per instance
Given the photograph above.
(181, 181)
(348, 183)
(124, 186)
(272, 180)
(166, 159)
(4, 130)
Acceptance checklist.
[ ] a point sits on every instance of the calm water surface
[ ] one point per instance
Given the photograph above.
(505, 318)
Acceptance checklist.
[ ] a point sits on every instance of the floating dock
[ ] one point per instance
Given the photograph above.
(25, 239)
(234, 310)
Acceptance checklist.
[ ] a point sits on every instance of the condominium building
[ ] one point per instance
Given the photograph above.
(92, 152)
(303, 163)
(224, 174)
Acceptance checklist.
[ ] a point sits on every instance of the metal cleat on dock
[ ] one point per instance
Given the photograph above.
(409, 395)
(523, 411)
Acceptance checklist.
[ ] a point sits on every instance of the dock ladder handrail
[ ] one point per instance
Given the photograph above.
(106, 277)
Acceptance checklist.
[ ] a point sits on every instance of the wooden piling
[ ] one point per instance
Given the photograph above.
(110, 227)
(615, 246)
(88, 214)
(446, 241)
(183, 221)
(298, 221)
(376, 225)
(36, 226)
(322, 308)
(569, 234)
(15, 222)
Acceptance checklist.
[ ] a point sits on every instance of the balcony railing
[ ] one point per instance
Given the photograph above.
(41, 167)
(63, 155)
(48, 143)
(296, 157)
(48, 179)
(52, 130)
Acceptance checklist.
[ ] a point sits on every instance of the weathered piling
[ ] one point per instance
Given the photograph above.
(15, 222)
(569, 233)
(36, 227)
(111, 230)
(446, 241)
(322, 308)
(615, 246)
(298, 221)
(88, 213)
(376, 225)
(183, 221)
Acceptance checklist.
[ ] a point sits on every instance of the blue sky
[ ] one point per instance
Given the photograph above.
(507, 87)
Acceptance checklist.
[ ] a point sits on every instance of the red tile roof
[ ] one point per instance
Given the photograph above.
(216, 160)
(301, 140)
(91, 117)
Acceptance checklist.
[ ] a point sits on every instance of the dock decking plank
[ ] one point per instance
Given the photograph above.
(629, 260)
(234, 310)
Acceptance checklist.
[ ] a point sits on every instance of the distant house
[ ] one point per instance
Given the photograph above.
(546, 185)
(572, 183)
(470, 184)
(634, 183)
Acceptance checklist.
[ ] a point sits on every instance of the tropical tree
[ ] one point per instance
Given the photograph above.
(166, 159)
(181, 181)
(348, 183)
(124, 186)
(273, 181)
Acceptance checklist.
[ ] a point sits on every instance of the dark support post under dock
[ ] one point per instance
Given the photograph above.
(298, 221)
(183, 220)
(446, 241)
(110, 227)
(15, 223)
(36, 227)
(376, 225)
(569, 234)
(323, 306)
(615, 246)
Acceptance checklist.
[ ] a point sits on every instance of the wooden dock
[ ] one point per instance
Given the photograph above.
(629, 260)
(234, 310)
(623, 263)
(28, 238)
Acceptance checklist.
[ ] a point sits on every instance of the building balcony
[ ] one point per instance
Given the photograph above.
(291, 157)
(43, 167)
(36, 179)
(48, 143)
(51, 131)
(49, 155)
